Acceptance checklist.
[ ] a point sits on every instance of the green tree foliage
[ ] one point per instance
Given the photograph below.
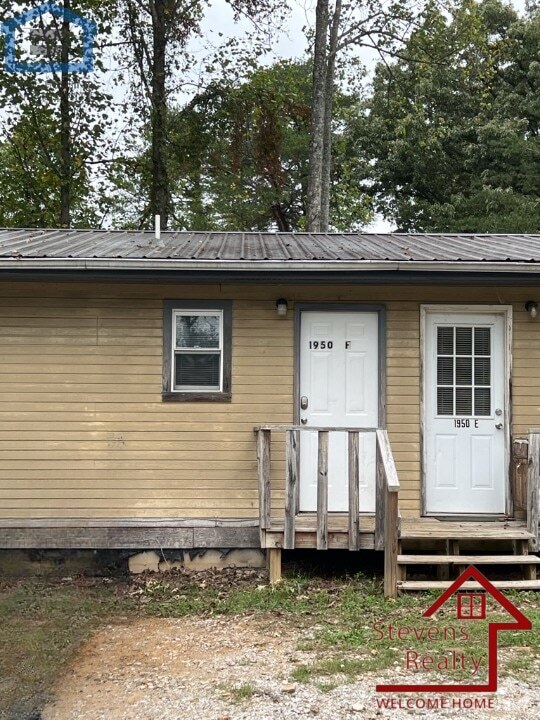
(53, 126)
(30, 180)
(452, 128)
(238, 156)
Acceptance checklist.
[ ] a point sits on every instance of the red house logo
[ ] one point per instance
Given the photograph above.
(471, 606)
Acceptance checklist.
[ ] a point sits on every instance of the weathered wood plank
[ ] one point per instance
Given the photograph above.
(151, 523)
(128, 537)
(310, 428)
(533, 479)
(421, 585)
(520, 454)
(468, 560)
(391, 543)
(291, 486)
(322, 491)
(99, 538)
(380, 499)
(264, 472)
(354, 491)
(221, 537)
(308, 540)
(390, 472)
(274, 565)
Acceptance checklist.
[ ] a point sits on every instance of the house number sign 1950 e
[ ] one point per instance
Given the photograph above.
(460, 423)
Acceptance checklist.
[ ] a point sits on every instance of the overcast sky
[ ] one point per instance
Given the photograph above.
(291, 42)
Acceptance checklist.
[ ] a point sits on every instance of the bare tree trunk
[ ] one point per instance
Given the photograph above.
(316, 149)
(328, 112)
(65, 126)
(160, 190)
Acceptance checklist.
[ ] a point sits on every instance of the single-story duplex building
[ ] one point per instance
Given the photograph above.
(276, 390)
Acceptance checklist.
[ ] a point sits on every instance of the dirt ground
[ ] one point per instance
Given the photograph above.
(227, 668)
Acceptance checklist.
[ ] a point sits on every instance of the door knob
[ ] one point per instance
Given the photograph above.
(303, 421)
(499, 425)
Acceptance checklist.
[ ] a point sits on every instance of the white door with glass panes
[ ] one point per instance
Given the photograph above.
(465, 423)
(339, 387)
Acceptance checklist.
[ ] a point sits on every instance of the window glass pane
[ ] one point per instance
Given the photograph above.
(445, 371)
(445, 341)
(463, 371)
(482, 371)
(445, 401)
(463, 401)
(197, 331)
(197, 369)
(482, 344)
(482, 401)
(463, 341)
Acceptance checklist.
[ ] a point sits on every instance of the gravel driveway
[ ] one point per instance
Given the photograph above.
(227, 668)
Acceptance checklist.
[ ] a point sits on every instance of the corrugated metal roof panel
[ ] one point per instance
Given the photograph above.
(255, 247)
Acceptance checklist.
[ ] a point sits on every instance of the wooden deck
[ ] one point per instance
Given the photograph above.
(404, 541)
(411, 529)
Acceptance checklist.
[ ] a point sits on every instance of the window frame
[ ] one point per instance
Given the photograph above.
(171, 308)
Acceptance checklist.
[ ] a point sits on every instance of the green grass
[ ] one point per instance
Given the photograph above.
(238, 693)
(44, 623)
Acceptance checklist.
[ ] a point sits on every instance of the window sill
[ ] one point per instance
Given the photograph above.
(196, 396)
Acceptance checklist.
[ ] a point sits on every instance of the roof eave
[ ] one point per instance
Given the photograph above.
(282, 266)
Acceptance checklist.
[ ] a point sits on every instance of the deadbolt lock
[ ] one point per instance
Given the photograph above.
(304, 402)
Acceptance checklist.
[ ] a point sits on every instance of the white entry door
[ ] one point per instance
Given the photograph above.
(339, 387)
(465, 427)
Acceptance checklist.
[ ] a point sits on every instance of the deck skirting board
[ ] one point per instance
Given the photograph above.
(128, 534)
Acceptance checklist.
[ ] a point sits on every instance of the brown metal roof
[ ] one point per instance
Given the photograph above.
(256, 247)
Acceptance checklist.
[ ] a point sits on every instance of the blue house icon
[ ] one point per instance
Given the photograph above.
(10, 27)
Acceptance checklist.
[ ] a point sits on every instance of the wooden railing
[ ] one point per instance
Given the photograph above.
(533, 482)
(386, 534)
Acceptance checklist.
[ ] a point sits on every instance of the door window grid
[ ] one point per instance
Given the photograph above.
(463, 371)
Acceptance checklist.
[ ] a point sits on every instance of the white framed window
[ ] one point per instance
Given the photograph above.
(197, 350)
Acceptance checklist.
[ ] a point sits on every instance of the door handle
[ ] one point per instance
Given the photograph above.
(499, 425)
(303, 421)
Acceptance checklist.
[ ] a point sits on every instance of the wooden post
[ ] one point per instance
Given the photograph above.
(354, 500)
(380, 498)
(264, 467)
(520, 454)
(533, 478)
(322, 491)
(291, 486)
(391, 542)
(274, 562)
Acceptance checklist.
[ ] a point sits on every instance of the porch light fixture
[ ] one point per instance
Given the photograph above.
(282, 307)
(532, 308)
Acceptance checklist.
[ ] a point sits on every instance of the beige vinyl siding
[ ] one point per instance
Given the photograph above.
(84, 432)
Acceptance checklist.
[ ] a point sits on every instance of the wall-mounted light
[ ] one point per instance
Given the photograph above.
(532, 308)
(282, 307)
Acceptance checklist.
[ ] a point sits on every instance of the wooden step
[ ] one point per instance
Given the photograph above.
(468, 559)
(430, 529)
(423, 585)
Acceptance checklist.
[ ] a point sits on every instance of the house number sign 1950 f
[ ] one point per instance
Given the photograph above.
(326, 344)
